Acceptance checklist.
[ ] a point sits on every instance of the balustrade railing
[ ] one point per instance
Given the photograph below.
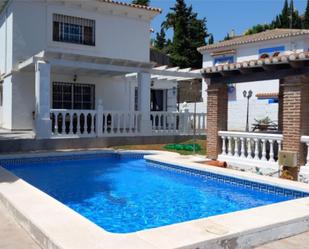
(90, 123)
(116, 123)
(165, 122)
(178, 123)
(251, 146)
(73, 123)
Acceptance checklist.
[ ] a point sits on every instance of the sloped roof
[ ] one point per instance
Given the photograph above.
(132, 5)
(263, 36)
(4, 2)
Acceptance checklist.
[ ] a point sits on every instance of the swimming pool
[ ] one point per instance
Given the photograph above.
(128, 194)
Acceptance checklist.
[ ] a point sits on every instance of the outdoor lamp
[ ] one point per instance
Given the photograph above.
(247, 95)
(174, 91)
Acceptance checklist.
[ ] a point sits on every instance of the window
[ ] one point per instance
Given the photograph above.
(73, 96)
(73, 30)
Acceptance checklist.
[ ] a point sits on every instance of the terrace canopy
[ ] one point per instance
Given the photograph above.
(291, 69)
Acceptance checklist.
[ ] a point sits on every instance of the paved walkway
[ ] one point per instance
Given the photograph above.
(296, 242)
(12, 236)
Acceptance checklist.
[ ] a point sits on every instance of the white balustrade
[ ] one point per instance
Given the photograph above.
(101, 123)
(184, 123)
(305, 140)
(68, 123)
(251, 146)
(116, 123)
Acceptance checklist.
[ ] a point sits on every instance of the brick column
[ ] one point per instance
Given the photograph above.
(280, 105)
(295, 116)
(217, 102)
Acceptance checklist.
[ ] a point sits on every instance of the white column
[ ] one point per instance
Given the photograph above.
(249, 148)
(229, 146)
(144, 81)
(264, 150)
(42, 100)
(99, 123)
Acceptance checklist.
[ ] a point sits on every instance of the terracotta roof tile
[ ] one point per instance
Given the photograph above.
(267, 95)
(281, 59)
(263, 36)
(132, 5)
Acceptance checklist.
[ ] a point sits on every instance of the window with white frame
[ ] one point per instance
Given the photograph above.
(73, 96)
(73, 30)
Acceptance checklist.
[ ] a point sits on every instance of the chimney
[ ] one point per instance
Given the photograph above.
(232, 33)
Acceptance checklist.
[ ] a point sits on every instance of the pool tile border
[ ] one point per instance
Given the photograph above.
(71, 157)
(263, 187)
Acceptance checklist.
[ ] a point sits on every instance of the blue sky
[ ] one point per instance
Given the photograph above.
(225, 15)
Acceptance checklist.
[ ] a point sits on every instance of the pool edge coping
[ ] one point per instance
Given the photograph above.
(212, 230)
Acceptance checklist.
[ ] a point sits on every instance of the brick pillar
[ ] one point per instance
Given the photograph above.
(217, 102)
(295, 116)
(280, 105)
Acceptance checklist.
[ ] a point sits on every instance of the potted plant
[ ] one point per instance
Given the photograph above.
(264, 123)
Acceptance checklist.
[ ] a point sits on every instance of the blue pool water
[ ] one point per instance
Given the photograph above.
(126, 195)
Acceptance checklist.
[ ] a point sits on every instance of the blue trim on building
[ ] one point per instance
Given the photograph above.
(224, 59)
(271, 50)
(273, 101)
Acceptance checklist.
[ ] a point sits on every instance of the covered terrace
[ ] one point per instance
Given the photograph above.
(105, 117)
(256, 149)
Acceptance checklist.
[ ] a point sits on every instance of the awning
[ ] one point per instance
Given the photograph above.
(66, 62)
(172, 74)
(262, 69)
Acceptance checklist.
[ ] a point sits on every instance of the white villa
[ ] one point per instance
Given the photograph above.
(82, 69)
(264, 101)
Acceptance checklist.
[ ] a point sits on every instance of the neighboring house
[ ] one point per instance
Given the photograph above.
(268, 44)
(82, 68)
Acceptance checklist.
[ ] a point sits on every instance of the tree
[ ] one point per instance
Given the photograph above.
(294, 18)
(141, 2)
(190, 33)
(227, 37)
(306, 17)
(211, 38)
(288, 18)
(284, 17)
(258, 28)
(160, 41)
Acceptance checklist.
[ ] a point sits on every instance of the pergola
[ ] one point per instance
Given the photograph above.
(291, 69)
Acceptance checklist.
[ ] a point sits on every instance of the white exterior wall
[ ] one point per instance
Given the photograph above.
(258, 108)
(6, 40)
(7, 103)
(121, 37)
(237, 103)
(26, 29)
